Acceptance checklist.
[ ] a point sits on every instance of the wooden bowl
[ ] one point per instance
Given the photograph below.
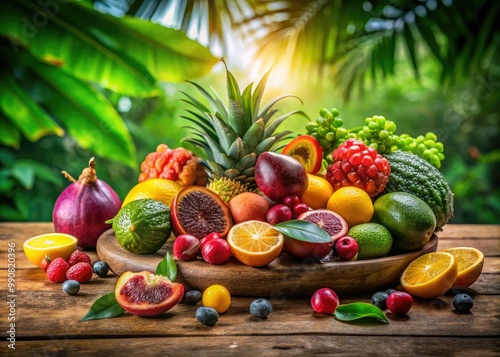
(284, 277)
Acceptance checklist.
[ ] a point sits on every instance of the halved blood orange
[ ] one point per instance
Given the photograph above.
(147, 294)
(255, 243)
(307, 150)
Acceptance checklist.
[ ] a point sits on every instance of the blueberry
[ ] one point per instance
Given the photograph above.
(390, 291)
(193, 297)
(261, 308)
(207, 315)
(71, 287)
(101, 268)
(380, 300)
(463, 303)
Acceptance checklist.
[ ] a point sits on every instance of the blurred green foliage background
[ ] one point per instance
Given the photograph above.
(108, 84)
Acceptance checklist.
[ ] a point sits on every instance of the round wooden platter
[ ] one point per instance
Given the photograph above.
(284, 277)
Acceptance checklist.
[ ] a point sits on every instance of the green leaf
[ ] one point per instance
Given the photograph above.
(410, 44)
(9, 134)
(304, 231)
(360, 311)
(24, 172)
(167, 267)
(87, 114)
(22, 111)
(8, 213)
(104, 307)
(66, 41)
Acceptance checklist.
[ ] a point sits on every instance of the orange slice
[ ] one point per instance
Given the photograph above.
(55, 245)
(470, 265)
(255, 243)
(430, 275)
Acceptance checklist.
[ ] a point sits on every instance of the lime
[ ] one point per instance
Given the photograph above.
(409, 219)
(374, 240)
(142, 226)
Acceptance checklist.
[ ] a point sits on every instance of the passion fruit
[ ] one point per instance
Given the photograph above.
(147, 294)
(198, 211)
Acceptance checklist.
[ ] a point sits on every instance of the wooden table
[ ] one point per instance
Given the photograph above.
(47, 321)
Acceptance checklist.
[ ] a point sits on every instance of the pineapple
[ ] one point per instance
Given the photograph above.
(232, 137)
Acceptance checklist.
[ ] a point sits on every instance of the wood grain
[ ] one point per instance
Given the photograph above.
(284, 276)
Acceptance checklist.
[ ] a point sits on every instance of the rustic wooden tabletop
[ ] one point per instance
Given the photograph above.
(38, 319)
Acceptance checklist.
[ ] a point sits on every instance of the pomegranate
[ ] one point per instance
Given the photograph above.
(84, 206)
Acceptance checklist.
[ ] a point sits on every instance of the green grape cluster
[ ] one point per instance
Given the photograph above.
(377, 132)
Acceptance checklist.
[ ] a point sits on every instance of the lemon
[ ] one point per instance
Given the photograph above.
(55, 245)
(374, 240)
(409, 219)
(142, 226)
(318, 192)
(430, 275)
(157, 189)
(353, 204)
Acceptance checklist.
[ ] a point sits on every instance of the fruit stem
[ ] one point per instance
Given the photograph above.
(68, 176)
(89, 174)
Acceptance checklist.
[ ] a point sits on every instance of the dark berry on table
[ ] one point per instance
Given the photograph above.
(379, 299)
(463, 303)
(101, 268)
(71, 287)
(193, 297)
(390, 291)
(207, 315)
(260, 308)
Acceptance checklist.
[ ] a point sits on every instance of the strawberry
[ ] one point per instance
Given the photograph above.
(81, 272)
(78, 256)
(56, 271)
(45, 262)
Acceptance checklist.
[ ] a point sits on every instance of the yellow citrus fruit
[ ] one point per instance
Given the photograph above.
(217, 297)
(162, 190)
(318, 192)
(470, 265)
(430, 275)
(353, 204)
(55, 245)
(255, 243)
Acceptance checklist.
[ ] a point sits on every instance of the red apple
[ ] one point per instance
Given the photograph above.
(346, 248)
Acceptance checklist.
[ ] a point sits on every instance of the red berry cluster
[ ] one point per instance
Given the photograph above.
(176, 164)
(77, 267)
(356, 164)
(290, 208)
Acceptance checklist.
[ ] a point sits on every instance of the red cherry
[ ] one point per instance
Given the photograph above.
(324, 301)
(208, 238)
(399, 303)
(216, 251)
(186, 247)
(291, 201)
(346, 248)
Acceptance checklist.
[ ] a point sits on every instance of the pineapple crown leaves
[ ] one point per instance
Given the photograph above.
(229, 133)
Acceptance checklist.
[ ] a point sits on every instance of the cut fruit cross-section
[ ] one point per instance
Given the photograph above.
(55, 245)
(470, 265)
(255, 243)
(430, 275)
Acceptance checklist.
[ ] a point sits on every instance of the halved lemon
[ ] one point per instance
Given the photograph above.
(162, 190)
(470, 265)
(430, 275)
(255, 243)
(54, 245)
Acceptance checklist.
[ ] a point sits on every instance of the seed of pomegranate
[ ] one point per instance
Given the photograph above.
(367, 161)
(372, 172)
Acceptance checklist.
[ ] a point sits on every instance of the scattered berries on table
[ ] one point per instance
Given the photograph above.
(81, 272)
(356, 164)
(101, 268)
(399, 303)
(45, 262)
(463, 303)
(71, 287)
(390, 291)
(56, 271)
(379, 299)
(176, 164)
(193, 297)
(260, 308)
(78, 257)
(207, 315)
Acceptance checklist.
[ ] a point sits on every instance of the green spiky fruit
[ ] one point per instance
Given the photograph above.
(229, 138)
(227, 188)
